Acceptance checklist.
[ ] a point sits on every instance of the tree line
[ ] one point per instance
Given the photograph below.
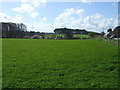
(13, 30)
(19, 30)
(16, 30)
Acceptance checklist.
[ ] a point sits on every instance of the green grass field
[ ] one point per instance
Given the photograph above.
(34, 63)
(80, 36)
(63, 36)
(50, 36)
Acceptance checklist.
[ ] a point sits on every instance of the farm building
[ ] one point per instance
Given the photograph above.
(114, 34)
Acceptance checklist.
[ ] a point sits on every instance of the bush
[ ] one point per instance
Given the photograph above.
(68, 36)
(91, 35)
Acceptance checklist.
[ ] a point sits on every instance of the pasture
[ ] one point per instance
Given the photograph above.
(34, 63)
(63, 36)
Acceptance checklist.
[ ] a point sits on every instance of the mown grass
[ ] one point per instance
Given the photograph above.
(50, 36)
(80, 36)
(29, 63)
(63, 36)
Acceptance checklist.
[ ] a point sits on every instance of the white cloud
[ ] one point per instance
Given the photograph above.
(40, 26)
(35, 3)
(34, 14)
(25, 7)
(89, 2)
(44, 1)
(115, 5)
(6, 18)
(86, 1)
(70, 18)
(18, 19)
(65, 15)
(92, 23)
(80, 11)
(26, 1)
(30, 6)
(43, 19)
(69, 13)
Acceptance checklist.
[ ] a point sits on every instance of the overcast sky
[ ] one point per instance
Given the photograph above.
(45, 16)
